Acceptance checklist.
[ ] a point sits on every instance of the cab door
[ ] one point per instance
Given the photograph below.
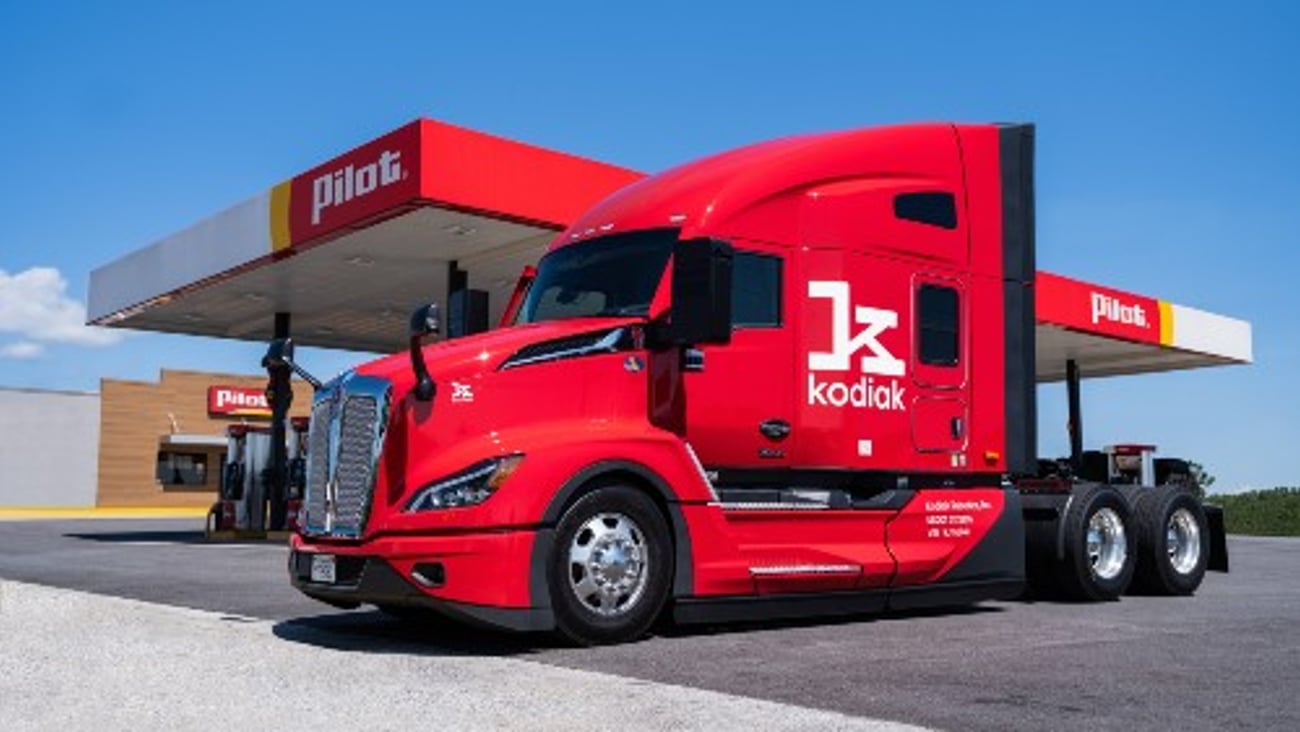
(941, 411)
(740, 396)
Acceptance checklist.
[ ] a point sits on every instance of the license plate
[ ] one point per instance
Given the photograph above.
(322, 568)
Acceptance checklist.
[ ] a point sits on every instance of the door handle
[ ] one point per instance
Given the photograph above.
(775, 429)
(958, 428)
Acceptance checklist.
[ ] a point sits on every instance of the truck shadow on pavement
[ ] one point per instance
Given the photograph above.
(132, 537)
(375, 632)
(179, 537)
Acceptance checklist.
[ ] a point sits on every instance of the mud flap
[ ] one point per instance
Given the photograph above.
(1218, 539)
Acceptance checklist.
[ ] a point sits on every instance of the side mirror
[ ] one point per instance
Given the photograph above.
(701, 309)
(279, 354)
(424, 321)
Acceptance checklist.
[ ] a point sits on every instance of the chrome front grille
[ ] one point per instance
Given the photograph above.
(349, 416)
(318, 446)
(355, 469)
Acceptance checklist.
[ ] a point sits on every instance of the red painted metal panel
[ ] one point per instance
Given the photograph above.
(358, 185)
(427, 162)
(471, 170)
(1090, 308)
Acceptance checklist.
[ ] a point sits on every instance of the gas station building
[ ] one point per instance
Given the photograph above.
(338, 255)
(133, 443)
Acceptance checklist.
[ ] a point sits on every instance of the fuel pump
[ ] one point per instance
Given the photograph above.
(237, 508)
(225, 515)
(241, 504)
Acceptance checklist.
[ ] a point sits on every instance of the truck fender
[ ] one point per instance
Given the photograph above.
(683, 579)
(1126, 493)
(1044, 516)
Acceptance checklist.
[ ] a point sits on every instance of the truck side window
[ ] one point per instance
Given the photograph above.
(755, 290)
(937, 319)
(935, 208)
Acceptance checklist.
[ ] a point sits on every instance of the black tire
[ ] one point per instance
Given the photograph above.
(1077, 572)
(631, 615)
(1158, 571)
(1042, 570)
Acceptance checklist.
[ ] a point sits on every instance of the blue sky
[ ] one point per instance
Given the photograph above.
(1168, 150)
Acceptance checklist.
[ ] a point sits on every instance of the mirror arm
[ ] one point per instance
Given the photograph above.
(658, 335)
(304, 375)
(424, 321)
(424, 388)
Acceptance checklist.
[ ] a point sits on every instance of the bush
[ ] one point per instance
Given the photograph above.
(1273, 512)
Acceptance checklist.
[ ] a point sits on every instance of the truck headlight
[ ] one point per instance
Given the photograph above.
(469, 487)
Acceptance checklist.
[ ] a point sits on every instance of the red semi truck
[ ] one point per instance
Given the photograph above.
(792, 379)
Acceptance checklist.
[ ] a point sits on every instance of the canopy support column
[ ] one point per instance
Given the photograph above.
(1075, 423)
(280, 393)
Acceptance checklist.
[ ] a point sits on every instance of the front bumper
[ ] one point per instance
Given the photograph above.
(481, 578)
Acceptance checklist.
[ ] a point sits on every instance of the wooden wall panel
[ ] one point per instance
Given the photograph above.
(135, 416)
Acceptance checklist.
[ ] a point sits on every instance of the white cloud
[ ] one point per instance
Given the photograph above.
(34, 304)
(21, 350)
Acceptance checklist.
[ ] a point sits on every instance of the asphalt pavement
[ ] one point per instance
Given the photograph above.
(1228, 657)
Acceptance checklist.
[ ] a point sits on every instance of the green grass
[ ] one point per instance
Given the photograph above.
(1273, 512)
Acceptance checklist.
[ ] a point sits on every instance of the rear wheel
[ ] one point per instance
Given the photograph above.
(1173, 542)
(1100, 545)
(610, 567)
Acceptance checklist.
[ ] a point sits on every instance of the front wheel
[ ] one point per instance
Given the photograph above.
(1100, 544)
(610, 566)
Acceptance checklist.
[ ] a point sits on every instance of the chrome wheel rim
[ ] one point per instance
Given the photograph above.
(1183, 541)
(1107, 544)
(608, 564)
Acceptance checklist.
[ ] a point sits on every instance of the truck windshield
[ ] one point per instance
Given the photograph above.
(608, 276)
